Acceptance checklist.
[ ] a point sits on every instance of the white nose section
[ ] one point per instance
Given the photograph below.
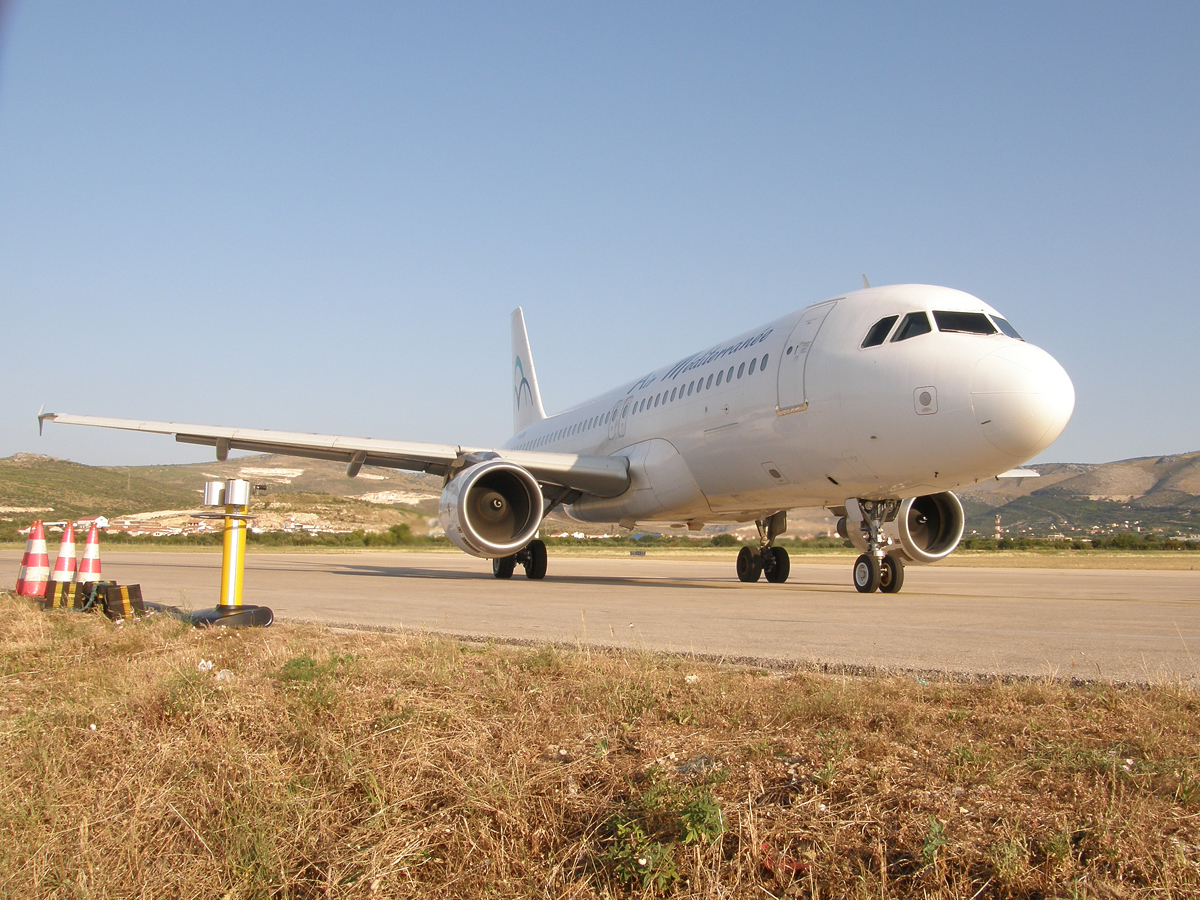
(1022, 399)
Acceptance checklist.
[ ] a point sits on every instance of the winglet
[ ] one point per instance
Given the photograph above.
(42, 417)
(527, 399)
(866, 284)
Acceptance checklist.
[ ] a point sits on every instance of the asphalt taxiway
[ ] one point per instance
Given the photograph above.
(1116, 625)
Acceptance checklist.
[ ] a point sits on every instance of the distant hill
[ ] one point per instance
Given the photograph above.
(318, 491)
(41, 487)
(1153, 493)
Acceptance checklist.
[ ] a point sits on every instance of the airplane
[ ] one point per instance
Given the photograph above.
(875, 405)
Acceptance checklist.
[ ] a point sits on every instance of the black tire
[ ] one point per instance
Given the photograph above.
(779, 572)
(891, 574)
(504, 566)
(749, 564)
(535, 564)
(866, 574)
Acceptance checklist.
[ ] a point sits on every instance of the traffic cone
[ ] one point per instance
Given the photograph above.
(64, 566)
(89, 565)
(35, 565)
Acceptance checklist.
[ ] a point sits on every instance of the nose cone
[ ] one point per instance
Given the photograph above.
(1022, 399)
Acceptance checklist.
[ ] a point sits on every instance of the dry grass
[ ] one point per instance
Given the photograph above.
(307, 763)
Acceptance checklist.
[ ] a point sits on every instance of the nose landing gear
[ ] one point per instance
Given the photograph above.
(753, 562)
(875, 570)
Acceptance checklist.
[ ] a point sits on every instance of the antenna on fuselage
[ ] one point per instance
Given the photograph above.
(866, 283)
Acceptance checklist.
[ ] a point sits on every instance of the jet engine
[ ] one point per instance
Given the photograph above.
(491, 509)
(927, 528)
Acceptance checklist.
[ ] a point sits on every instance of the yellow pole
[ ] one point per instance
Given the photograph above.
(233, 556)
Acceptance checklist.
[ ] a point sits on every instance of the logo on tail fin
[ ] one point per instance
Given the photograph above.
(521, 386)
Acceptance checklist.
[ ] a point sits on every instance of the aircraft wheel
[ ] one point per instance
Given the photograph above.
(504, 566)
(535, 564)
(779, 572)
(749, 565)
(891, 574)
(866, 574)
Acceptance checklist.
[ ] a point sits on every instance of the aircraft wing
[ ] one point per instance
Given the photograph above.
(603, 476)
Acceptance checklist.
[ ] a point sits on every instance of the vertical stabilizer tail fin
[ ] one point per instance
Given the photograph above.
(527, 399)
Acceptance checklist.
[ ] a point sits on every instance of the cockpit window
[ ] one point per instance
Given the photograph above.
(914, 324)
(1003, 325)
(879, 332)
(966, 322)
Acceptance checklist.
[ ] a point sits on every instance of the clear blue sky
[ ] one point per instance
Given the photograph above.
(317, 217)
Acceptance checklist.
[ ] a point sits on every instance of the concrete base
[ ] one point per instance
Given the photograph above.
(232, 617)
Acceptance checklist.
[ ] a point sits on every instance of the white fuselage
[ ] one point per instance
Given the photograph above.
(797, 413)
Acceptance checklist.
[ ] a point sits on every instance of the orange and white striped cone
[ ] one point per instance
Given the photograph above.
(64, 566)
(35, 565)
(89, 565)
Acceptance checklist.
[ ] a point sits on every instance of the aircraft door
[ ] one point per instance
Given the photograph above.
(791, 395)
(616, 424)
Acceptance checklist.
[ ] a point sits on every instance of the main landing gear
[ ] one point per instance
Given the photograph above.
(876, 570)
(765, 559)
(533, 558)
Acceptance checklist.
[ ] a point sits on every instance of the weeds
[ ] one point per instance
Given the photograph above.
(157, 760)
(935, 840)
(642, 839)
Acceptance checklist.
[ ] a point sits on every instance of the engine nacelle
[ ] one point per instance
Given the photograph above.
(927, 528)
(491, 509)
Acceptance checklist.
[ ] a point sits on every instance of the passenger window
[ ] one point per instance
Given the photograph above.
(753, 364)
(656, 396)
(690, 384)
(964, 322)
(789, 352)
(729, 374)
(720, 375)
(708, 383)
(672, 395)
(1007, 328)
(914, 324)
(763, 364)
(879, 332)
(741, 369)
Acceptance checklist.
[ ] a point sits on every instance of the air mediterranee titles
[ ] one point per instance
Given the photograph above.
(699, 360)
